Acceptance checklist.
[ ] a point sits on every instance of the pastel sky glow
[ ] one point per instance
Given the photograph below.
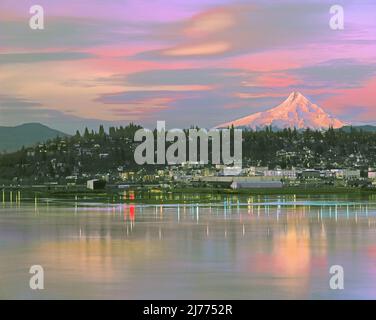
(188, 62)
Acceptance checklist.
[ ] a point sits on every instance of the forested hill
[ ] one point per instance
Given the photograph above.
(101, 152)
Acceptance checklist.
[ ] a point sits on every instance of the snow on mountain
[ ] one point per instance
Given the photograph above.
(296, 111)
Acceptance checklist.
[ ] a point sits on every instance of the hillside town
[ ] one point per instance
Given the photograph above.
(271, 159)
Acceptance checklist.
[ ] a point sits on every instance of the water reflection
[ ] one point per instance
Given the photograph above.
(241, 247)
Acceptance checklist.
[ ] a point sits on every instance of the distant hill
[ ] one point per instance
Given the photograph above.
(28, 134)
(365, 128)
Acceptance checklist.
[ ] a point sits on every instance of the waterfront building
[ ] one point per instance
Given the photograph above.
(256, 184)
(95, 184)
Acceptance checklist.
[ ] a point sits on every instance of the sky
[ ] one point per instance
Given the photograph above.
(187, 62)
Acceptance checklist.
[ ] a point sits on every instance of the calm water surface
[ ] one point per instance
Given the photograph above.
(240, 248)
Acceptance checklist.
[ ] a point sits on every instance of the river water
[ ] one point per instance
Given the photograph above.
(276, 247)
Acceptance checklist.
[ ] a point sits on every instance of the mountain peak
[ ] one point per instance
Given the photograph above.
(296, 102)
(296, 111)
(296, 96)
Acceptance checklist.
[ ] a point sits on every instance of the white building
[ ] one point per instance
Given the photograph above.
(346, 174)
(372, 174)
(95, 184)
(257, 171)
(232, 171)
(280, 173)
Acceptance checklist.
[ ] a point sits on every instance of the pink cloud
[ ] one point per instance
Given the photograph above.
(264, 62)
(277, 80)
(347, 101)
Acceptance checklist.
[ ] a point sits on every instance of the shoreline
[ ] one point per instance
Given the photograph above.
(143, 195)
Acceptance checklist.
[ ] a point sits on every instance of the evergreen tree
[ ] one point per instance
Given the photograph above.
(101, 131)
(86, 133)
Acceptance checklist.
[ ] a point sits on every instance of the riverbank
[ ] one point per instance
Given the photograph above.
(152, 195)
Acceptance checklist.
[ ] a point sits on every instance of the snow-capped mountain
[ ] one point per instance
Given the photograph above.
(296, 111)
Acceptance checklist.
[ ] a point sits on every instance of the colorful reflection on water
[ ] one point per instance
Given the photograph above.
(277, 247)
